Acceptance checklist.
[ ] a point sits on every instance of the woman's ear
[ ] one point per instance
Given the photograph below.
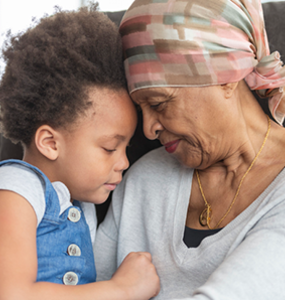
(229, 89)
(47, 142)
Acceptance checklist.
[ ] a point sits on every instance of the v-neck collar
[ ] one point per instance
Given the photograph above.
(249, 216)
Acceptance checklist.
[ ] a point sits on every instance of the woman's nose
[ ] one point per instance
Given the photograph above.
(151, 125)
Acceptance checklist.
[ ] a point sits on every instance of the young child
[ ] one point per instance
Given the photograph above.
(63, 96)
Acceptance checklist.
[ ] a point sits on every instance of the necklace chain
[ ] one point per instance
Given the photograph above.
(205, 216)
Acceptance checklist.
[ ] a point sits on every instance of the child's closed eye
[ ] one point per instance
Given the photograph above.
(109, 150)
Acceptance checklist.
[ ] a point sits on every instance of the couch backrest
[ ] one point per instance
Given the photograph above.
(275, 26)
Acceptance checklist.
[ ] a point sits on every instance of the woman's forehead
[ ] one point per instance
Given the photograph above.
(152, 92)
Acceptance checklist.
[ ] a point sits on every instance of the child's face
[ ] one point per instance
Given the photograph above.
(93, 156)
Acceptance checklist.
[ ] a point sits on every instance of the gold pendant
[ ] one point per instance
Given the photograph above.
(203, 217)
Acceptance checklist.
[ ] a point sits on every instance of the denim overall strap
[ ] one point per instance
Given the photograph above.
(64, 247)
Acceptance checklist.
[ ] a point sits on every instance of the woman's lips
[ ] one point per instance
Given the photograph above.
(171, 146)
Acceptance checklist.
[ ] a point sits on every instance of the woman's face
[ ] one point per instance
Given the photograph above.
(189, 122)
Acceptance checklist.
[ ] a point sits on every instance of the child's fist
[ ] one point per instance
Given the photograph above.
(137, 276)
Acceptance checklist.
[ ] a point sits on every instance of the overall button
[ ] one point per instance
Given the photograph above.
(74, 215)
(70, 278)
(73, 250)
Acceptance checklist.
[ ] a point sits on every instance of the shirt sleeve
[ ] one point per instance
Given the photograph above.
(105, 248)
(25, 182)
(91, 218)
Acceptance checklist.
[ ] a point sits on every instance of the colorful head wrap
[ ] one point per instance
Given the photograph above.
(194, 43)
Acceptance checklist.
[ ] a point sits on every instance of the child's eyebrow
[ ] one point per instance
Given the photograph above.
(119, 137)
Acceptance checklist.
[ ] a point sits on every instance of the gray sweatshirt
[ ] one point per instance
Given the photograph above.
(243, 261)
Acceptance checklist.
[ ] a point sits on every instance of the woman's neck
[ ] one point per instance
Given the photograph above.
(221, 180)
(244, 137)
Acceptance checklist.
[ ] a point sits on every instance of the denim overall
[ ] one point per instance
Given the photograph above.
(64, 247)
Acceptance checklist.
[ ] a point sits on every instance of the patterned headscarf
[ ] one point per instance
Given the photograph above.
(194, 43)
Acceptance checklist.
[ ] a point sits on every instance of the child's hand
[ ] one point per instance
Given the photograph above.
(137, 276)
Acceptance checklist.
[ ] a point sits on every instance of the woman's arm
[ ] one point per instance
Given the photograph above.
(135, 279)
(106, 246)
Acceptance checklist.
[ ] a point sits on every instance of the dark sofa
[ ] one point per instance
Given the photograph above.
(275, 25)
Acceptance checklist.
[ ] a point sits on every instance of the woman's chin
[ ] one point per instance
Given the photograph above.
(189, 158)
(188, 161)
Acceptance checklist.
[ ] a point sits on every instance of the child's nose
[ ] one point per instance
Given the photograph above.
(123, 163)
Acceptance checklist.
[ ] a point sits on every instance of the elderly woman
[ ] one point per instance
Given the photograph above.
(209, 205)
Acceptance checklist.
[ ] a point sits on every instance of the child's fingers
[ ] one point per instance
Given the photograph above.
(146, 254)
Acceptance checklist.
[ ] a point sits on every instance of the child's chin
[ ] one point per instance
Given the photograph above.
(101, 200)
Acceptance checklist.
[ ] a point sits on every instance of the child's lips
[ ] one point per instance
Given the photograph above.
(111, 186)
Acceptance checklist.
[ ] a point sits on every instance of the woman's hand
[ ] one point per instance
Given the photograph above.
(137, 276)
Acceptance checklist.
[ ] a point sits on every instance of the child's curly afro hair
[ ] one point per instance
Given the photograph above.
(50, 67)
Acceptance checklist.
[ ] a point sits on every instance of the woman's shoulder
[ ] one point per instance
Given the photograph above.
(157, 159)
(155, 166)
(275, 192)
(270, 205)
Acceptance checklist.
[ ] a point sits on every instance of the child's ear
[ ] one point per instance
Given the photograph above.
(47, 142)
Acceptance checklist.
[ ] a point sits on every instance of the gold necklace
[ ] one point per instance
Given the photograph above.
(205, 216)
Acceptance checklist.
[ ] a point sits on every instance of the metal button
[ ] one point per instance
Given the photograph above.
(74, 214)
(73, 250)
(70, 278)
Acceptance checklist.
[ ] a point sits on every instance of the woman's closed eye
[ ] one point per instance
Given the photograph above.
(157, 106)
